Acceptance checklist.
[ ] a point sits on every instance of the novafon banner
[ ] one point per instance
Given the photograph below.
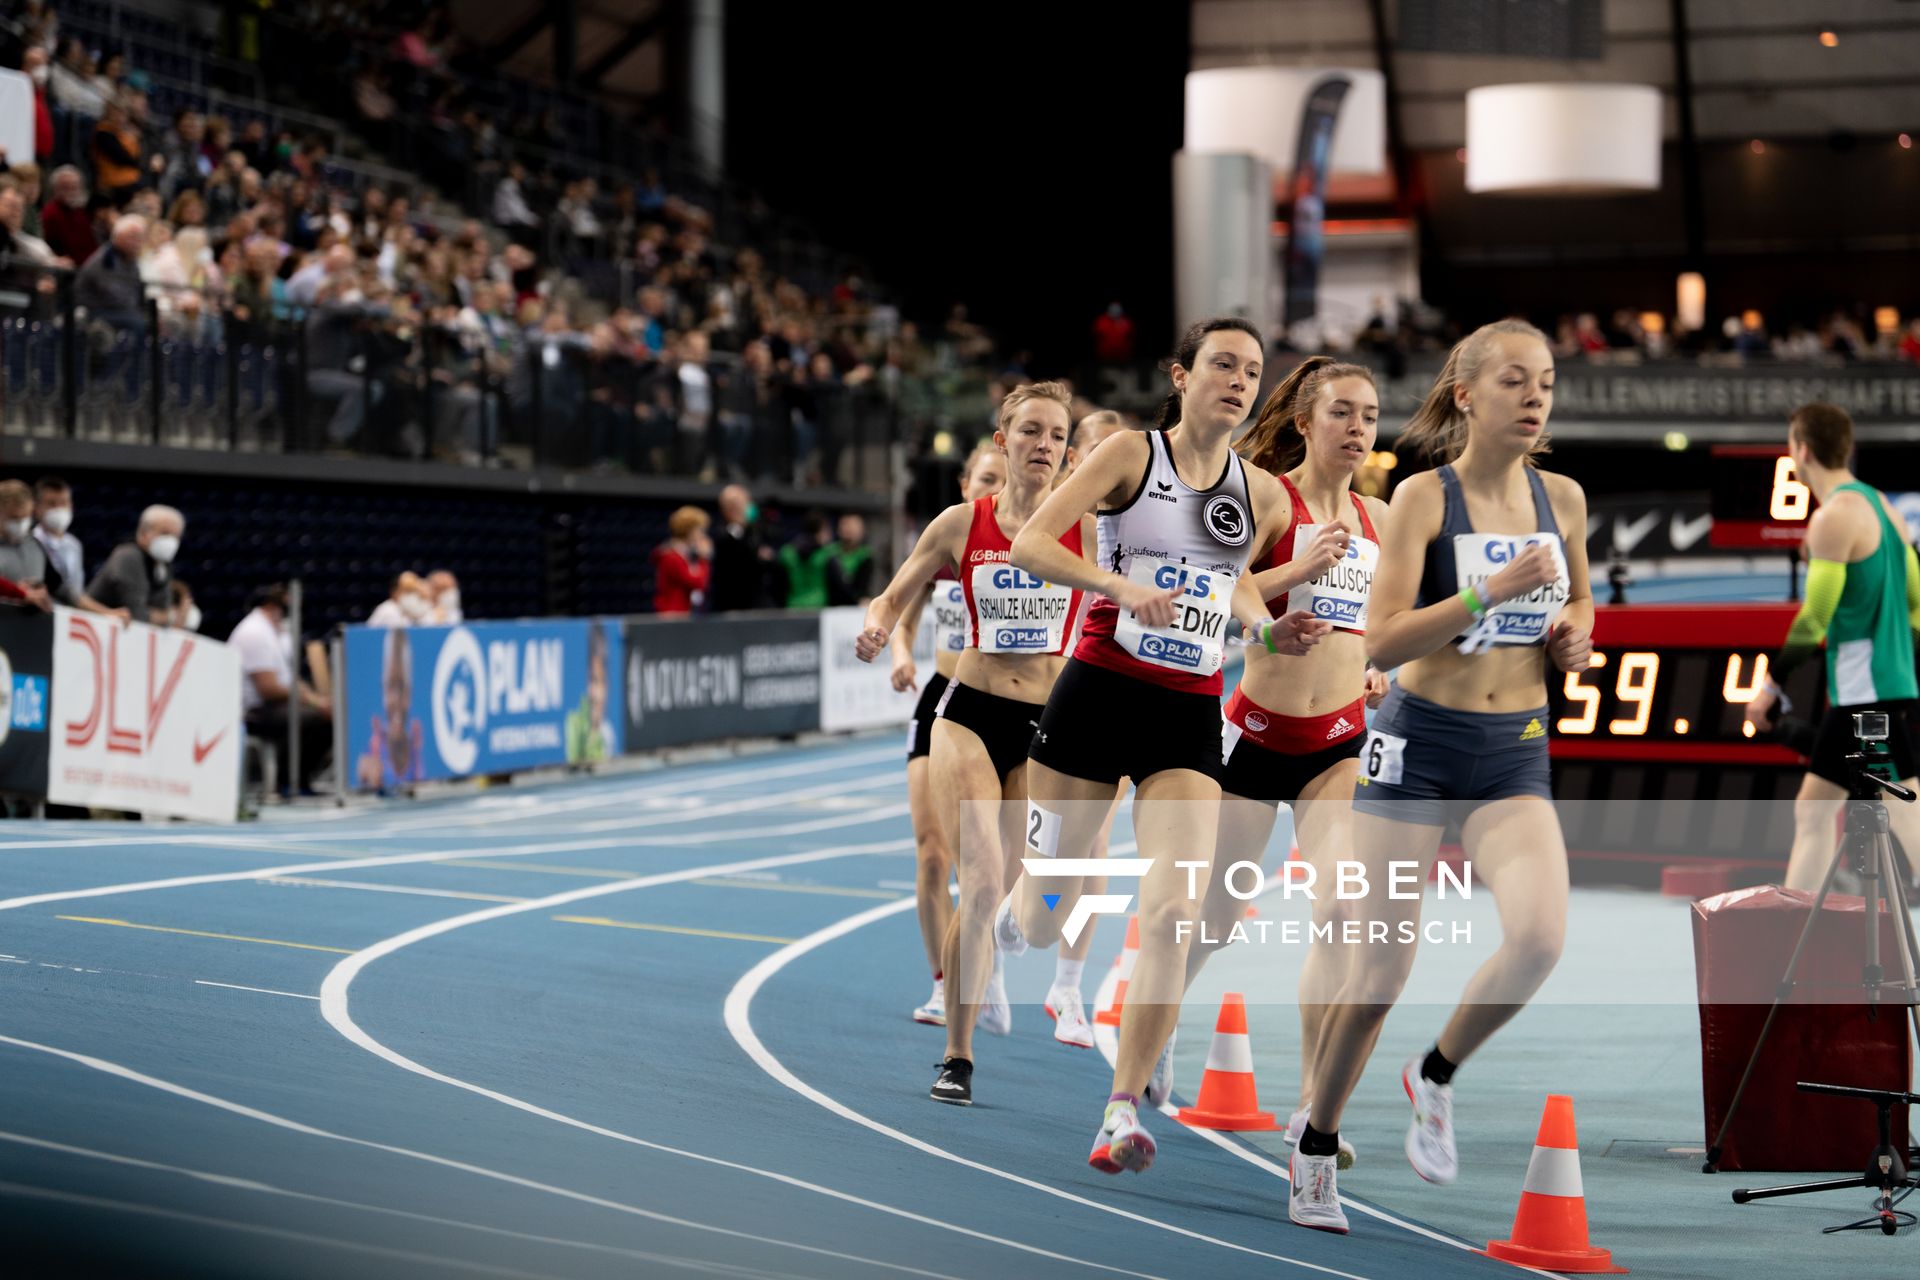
(426, 703)
(144, 718)
(726, 676)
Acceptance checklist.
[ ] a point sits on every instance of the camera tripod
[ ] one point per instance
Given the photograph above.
(1868, 850)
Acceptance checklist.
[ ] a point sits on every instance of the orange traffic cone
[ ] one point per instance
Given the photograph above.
(1228, 1098)
(1110, 1016)
(1550, 1227)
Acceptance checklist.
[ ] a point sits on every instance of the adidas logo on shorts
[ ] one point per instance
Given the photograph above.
(1532, 731)
(1340, 726)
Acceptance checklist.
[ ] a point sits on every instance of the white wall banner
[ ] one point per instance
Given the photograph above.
(147, 719)
(859, 695)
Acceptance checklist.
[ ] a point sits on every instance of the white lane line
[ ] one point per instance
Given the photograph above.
(272, 1233)
(228, 1182)
(721, 779)
(1107, 1040)
(334, 1008)
(413, 823)
(445, 1162)
(265, 991)
(369, 887)
(738, 1011)
(407, 859)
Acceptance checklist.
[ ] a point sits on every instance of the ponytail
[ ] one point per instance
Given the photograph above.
(1274, 444)
(1188, 351)
(1437, 432)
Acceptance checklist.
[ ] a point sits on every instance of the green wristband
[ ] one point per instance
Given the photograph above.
(1266, 635)
(1471, 598)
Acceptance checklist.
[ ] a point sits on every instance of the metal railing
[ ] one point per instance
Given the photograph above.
(85, 355)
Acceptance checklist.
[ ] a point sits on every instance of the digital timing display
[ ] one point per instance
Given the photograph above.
(1690, 695)
(1672, 682)
(1758, 499)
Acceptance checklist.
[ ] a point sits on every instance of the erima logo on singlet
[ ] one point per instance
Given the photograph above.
(1226, 519)
(1161, 495)
(1532, 731)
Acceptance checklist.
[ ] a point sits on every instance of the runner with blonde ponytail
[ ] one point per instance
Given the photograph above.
(1476, 594)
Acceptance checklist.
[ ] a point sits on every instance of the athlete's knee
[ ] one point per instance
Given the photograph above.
(1171, 922)
(979, 901)
(1377, 976)
(1535, 949)
(934, 859)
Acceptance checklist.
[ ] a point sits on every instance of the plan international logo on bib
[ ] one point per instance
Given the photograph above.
(1169, 650)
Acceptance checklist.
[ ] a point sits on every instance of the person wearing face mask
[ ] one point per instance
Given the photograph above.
(446, 599)
(741, 558)
(23, 561)
(52, 517)
(136, 576)
(407, 605)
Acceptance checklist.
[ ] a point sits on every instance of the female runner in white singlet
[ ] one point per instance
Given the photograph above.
(1179, 517)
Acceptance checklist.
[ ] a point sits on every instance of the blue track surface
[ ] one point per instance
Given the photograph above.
(398, 1058)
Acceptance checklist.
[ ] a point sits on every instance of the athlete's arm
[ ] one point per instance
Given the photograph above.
(1913, 587)
(1571, 644)
(1830, 543)
(940, 544)
(1396, 631)
(1298, 631)
(1322, 553)
(1109, 475)
(908, 630)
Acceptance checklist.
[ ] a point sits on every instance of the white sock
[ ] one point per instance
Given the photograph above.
(1066, 973)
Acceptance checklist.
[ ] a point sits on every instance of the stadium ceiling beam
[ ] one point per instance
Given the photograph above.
(1692, 199)
(521, 36)
(638, 34)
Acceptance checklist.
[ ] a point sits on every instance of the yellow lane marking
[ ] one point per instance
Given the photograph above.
(723, 882)
(197, 933)
(672, 928)
(539, 868)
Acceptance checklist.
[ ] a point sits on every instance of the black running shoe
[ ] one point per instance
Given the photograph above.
(955, 1083)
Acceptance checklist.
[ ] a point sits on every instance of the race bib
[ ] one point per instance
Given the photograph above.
(1193, 642)
(1017, 612)
(1384, 758)
(1478, 556)
(1340, 594)
(949, 617)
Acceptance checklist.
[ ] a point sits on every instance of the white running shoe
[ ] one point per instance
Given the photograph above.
(1069, 1016)
(996, 1015)
(1297, 1125)
(1160, 1085)
(934, 1012)
(1430, 1147)
(1315, 1201)
(1123, 1143)
(1006, 929)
